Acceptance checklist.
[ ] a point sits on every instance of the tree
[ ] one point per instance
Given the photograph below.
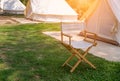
(24, 1)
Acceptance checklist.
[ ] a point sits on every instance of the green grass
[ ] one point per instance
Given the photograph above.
(28, 55)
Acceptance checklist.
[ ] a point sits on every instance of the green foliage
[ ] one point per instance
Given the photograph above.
(24, 1)
(26, 54)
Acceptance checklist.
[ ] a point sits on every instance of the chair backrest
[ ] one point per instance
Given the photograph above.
(73, 30)
(72, 27)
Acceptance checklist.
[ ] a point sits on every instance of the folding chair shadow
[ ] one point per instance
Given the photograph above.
(69, 33)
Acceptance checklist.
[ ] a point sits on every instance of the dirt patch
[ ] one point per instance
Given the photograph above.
(15, 20)
(6, 20)
(4, 17)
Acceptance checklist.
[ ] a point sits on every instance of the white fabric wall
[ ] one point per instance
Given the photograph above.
(13, 5)
(50, 10)
(115, 6)
(118, 34)
(101, 21)
(57, 7)
(1, 4)
(104, 19)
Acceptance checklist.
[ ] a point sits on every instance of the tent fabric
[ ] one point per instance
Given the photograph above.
(50, 10)
(12, 6)
(115, 7)
(118, 34)
(1, 4)
(114, 4)
(101, 21)
(90, 10)
(101, 18)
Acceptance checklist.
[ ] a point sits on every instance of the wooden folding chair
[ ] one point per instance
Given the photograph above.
(69, 30)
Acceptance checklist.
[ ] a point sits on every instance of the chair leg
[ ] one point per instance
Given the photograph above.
(68, 59)
(74, 67)
(90, 64)
(83, 58)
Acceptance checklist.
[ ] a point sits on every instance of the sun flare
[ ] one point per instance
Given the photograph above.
(80, 6)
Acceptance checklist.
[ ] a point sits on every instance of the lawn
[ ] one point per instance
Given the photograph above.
(28, 55)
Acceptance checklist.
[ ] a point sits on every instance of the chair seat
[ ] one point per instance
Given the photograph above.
(81, 44)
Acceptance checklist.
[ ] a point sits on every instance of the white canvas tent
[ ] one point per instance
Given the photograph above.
(12, 6)
(1, 4)
(1, 7)
(50, 10)
(103, 18)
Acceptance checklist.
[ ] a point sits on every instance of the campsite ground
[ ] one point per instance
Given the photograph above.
(6, 20)
(14, 19)
(26, 54)
(110, 52)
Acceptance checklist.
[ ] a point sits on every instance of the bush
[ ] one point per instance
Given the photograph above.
(24, 1)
